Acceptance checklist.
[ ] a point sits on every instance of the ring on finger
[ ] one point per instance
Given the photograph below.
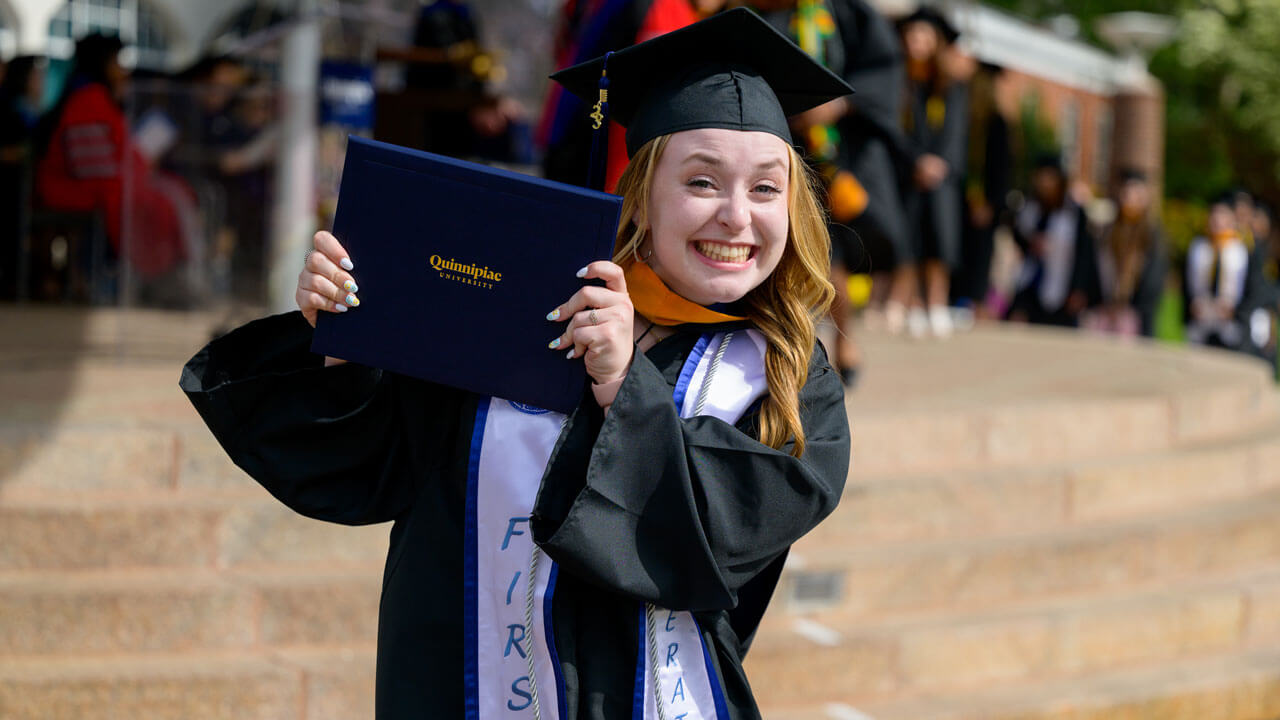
(594, 320)
(307, 258)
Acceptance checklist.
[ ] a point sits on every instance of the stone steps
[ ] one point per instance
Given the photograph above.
(306, 683)
(1038, 526)
(958, 575)
(176, 529)
(138, 611)
(195, 523)
(1238, 686)
(263, 569)
(1022, 397)
(989, 501)
(796, 659)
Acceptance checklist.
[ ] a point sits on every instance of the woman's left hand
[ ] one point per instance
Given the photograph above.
(600, 324)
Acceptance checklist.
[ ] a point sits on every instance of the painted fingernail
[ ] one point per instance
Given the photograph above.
(350, 286)
(554, 314)
(582, 273)
(339, 307)
(346, 264)
(570, 355)
(352, 300)
(554, 344)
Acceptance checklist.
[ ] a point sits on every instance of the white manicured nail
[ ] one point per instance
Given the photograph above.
(339, 308)
(570, 355)
(582, 273)
(346, 264)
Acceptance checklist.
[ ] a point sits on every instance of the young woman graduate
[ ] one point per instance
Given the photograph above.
(614, 562)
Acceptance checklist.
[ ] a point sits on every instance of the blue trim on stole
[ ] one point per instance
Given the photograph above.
(713, 678)
(637, 707)
(470, 565)
(686, 372)
(551, 639)
(717, 692)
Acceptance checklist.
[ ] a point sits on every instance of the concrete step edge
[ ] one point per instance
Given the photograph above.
(816, 624)
(1265, 501)
(1095, 696)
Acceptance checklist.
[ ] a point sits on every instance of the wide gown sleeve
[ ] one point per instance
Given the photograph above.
(328, 442)
(684, 512)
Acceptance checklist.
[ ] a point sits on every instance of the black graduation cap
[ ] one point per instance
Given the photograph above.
(732, 70)
(926, 14)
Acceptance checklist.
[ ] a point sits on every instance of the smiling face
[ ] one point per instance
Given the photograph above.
(717, 215)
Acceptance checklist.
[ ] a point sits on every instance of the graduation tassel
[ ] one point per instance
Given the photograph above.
(600, 132)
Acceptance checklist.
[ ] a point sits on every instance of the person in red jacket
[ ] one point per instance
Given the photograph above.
(590, 28)
(89, 165)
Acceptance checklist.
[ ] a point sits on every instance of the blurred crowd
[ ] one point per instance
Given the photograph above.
(931, 229)
(115, 177)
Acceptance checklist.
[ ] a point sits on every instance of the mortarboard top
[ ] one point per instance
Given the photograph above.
(926, 14)
(731, 70)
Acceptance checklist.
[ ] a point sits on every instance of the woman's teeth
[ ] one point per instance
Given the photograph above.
(724, 253)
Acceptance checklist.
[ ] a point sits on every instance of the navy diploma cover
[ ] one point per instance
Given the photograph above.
(458, 265)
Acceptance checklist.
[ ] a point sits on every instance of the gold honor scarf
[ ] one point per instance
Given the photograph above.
(657, 302)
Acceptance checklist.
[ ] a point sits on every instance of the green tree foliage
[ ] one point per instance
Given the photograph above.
(1232, 48)
(1222, 83)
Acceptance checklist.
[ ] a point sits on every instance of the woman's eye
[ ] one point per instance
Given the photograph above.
(768, 189)
(700, 183)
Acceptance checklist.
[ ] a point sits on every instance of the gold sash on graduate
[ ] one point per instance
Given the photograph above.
(657, 302)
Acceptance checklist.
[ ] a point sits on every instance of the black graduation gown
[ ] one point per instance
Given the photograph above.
(1085, 277)
(873, 145)
(865, 51)
(636, 505)
(994, 169)
(1155, 268)
(936, 214)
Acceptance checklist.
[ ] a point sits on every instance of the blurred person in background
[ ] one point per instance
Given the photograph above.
(1261, 302)
(21, 95)
(988, 180)
(231, 147)
(246, 161)
(1059, 276)
(1242, 204)
(1133, 261)
(465, 120)
(855, 143)
(587, 29)
(1216, 279)
(936, 123)
(89, 158)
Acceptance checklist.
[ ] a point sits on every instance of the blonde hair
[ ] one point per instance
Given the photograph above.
(784, 308)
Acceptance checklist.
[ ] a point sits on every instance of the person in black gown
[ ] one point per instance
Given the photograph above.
(988, 180)
(1059, 278)
(660, 511)
(856, 143)
(936, 123)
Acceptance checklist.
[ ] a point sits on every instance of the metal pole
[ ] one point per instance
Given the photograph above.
(294, 214)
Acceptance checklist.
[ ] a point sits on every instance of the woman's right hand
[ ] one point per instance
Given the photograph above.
(325, 282)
